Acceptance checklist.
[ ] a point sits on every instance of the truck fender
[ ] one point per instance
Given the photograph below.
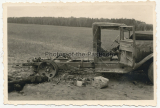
(137, 65)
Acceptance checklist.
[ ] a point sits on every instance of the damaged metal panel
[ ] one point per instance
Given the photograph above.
(143, 49)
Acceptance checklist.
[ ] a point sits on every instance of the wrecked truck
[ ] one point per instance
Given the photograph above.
(133, 52)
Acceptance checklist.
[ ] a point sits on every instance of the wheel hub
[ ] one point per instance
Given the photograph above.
(47, 69)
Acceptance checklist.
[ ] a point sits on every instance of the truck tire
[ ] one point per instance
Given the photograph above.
(48, 69)
(150, 73)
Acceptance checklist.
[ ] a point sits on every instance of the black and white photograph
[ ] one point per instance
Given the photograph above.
(80, 52)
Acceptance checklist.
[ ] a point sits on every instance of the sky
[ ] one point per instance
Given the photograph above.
(139, 12)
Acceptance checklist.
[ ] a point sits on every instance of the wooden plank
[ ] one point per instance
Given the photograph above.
(76, 64)
(112, 68)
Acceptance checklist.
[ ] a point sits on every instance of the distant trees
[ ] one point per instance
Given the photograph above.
(78, 22)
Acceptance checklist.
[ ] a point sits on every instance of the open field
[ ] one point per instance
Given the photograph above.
(35, 40)
(27, 40)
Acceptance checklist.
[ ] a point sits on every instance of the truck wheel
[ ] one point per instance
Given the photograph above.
(48, 69)
(150, 73)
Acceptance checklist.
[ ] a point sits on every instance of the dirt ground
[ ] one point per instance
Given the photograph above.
(132, 86)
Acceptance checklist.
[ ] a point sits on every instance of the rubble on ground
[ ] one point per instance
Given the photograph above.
(19, 84)
(18, 78)
(100, 82)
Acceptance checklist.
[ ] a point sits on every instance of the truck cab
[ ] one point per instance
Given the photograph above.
(134, 50)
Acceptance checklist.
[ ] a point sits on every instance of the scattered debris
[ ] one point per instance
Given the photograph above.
(100, 82)
(14, 84)
(125, 94)
(134, 82)
(59, 80)
(53, 84)
(18, 79)
(80, 83)
(70, 77)
(38, 93)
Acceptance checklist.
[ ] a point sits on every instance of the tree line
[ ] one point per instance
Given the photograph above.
(78, 22)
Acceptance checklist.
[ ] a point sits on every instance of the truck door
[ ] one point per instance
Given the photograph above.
(127, 46)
